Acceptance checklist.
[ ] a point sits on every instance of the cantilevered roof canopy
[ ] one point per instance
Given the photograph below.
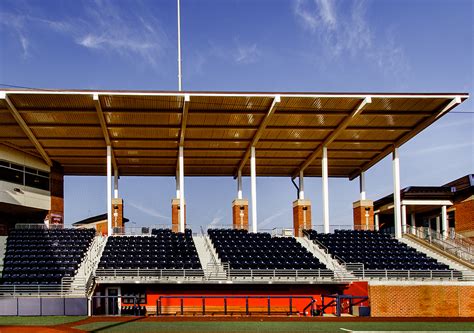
(216, 129)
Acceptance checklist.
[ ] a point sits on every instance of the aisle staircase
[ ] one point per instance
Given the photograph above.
(324, 257)
(434, 252)
(210, 262)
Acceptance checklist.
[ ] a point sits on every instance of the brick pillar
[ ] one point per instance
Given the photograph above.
(56, 187)
(117, 213)
(360, 208)
(175, 215)
(464, 217)
(301, 216)
(240, 214)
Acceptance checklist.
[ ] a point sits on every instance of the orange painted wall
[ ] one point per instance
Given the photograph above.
(153, 292)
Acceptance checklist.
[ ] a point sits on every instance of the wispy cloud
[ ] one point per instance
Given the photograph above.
(216, 220)
(104, 27)
(109, 28)
(17, 24)
(273, 217)
(149, 211)
(247, 54)
(342, 33)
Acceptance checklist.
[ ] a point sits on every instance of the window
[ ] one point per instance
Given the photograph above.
(21, 175)
(37, 181)
(11, 175)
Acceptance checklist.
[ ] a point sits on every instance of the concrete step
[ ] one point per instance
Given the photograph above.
(205, 257)
(211, 264)
(323, 257)
(3, 249)
(414, 243)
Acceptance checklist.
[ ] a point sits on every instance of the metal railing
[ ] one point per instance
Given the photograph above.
(91, 260)
(64, 289)
(357, 270)
(447, 244)
(39, 226)
(275, 232)
(333, 228)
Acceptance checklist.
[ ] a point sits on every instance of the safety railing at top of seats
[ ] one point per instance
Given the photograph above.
(447, 244)
(65, 289)
(451, 237)
(38, 226)
(357, 273)
(274, 232)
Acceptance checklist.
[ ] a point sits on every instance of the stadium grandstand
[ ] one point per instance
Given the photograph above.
(381, 267)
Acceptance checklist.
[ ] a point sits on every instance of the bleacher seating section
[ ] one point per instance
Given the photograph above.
(164, 249)
(243, 250)
(37, 256)
(376, 250)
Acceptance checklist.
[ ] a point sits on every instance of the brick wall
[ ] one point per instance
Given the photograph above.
(175, 215)
(56, 214)
(359, 214)
(301, 216)
(238, 206)
(464, 216)
(421, 301)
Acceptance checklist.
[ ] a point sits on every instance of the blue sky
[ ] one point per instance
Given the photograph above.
(244, 45)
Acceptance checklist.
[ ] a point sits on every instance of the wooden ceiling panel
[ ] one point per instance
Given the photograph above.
(144, 129)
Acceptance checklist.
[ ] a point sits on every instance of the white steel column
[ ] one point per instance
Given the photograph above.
(438, 224)
(179, 47)
(413, 223)
(116, 176)
(396, 194)
(181, 189)
(239, 184)
(253, 188)
(444, 222)
(404, 219)
(325, 190)
(376, 222)
(301, 192)
(178, 194)
(362, 185)
(109, 191)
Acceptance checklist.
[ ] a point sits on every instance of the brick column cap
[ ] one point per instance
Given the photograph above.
(363, 203)
(117, 201)
(300, 202)
(175, 201)
(240, 202)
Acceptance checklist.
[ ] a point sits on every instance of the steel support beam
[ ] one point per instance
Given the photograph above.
(239, 184)
(258, 134)
(396, 195)
(331, 137)
(184, 119)
(362, 186)
(404, 219)
(109, 191)
(418, 128)
(444, 222)
(116, 178)
(413, 223)
(253, 187)
(103, 126)
(301, 186)
(24, 126)
(325, 185)
(181, 189)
